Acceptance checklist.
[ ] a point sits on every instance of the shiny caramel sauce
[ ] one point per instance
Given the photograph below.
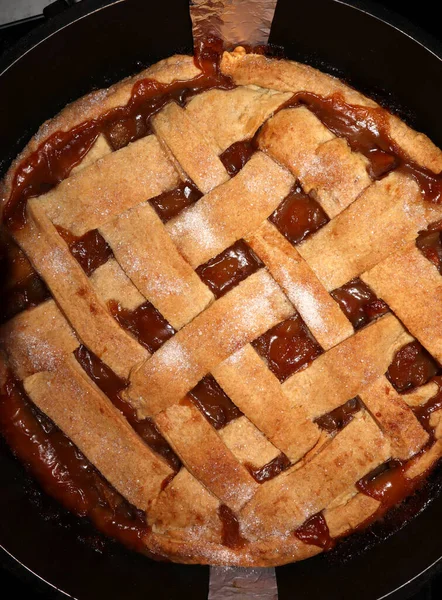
(287, 347)
(359, 303)
(27, 293)
(340, 417)
(429, 243)
(91, 249)
(60, 153)
(21, 287)
(298, 216)
(62, 470)
(389, 485)
(423, 413)
(55, 461)
(171, 203)
(411, 367)
(214, 403)
(315, 531)
(112, 386)
(270, 470)
(366, 130)
(145, 323)
(236, 155)
(231, 536)
(229, 268)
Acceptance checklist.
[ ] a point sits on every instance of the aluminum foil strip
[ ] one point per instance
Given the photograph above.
(234, 21)
(232, 583)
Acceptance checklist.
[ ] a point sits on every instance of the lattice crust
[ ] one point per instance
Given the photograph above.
(70, 399)
(289, 76)
(110, 186)
(255, 305)
(206, 229)
(269, 465)
(319, 311)
(393, 207)
(144, 250)
(413, 288)
(259, 395)
(324, 164)
(318, 389)
(284, 503)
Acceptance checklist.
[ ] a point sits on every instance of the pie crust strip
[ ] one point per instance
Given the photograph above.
(230, 211)
(70, 399)
(38, 339)
(348, 516)
(148, 256)
(186, 508)
(256, 391)
(381, 221)
(395, 418)
(193, 153)
(205, 455)
(317, 308)
(324, 164)
(284, 503)
(412, 287)
(228, 116)
(247, 311)
(75, 295)
(347, 369)
(111, 283)
(247, 443)
(108, 187)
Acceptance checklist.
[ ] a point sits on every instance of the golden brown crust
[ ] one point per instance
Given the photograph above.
(184, 521)
(284, 76)
(93, 105)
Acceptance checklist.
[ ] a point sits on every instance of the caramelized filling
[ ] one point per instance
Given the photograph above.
(27, 293)
(112, 386)
(236, 155)
(315, 531)
(60, 153)
(412, 366)
(340, 417)
(214, 403)
(229, 268)
(270, 470)
(91, 249)
(62, 470)
(144, 322)
(359, 303)
(388, 485)
(423, 413)
(21, 286)
(171, 203)
(231, 536)
(287, 347)
(367, 131)
(429, 243)
(298, 216)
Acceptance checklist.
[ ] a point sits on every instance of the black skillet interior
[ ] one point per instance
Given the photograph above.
(90, 46)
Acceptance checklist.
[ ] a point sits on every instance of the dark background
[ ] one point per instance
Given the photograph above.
(423, 13)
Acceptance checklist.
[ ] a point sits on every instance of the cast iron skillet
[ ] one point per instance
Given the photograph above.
(92, 45)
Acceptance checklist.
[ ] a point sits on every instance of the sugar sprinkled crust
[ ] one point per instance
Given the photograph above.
(219, 475)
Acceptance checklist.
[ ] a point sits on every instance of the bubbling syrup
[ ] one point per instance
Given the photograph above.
(62, 470)
(57, 464)
(214, 403)
(287, 347)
